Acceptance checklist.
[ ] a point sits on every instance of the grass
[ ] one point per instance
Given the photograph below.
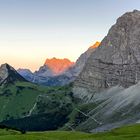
(44, 108)
(16, 100)
(124, 133)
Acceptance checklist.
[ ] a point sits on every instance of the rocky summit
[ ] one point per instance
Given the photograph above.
(9, 75)
(110, 80)
(115, 62)
(74, 71)
(58, 66)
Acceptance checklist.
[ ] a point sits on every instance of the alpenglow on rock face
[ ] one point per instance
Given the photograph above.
(58, 66)
(115, 62)
(74, 71)
(66, 70)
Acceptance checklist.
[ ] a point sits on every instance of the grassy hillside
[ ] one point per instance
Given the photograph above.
(16, 100)
(35, 108)
(124, 133)
(32, 107)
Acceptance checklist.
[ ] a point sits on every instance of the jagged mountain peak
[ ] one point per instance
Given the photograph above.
(130, 15)
(97, 43)
(6, 66)
(80, 63)
(56, 60)
(58, 66)
(44, 71)
(24, 70)
(9, 75)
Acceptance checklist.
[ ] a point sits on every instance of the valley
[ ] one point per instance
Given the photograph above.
(96, 97)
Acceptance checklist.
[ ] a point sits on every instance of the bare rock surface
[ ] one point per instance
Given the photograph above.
(9, 75)
(115, 62)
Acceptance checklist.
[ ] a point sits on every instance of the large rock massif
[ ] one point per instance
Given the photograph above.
(50, 74)
(58, 66)
(54, 67)
(110, 80)
(115, 62)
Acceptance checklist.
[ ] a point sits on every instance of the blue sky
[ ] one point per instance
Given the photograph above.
(33, 30)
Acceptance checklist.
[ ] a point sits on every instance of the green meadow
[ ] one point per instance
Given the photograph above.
(124, 133)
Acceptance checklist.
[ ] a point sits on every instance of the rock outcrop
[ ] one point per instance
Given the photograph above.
(26, 73)
(112, 108)
(115, 62)
(74, 71)
(58, 66)
(44, 71)
(9, 75)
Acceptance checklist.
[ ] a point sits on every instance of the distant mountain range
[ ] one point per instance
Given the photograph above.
(57, 72)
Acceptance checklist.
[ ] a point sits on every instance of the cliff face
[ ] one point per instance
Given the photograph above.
(58, 66)
(9, 75)
(44, 71)
(81, 61)
(115, 62)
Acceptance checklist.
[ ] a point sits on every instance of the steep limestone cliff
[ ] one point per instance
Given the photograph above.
(115, 62)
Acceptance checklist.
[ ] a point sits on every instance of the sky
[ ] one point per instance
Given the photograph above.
(33, 30)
